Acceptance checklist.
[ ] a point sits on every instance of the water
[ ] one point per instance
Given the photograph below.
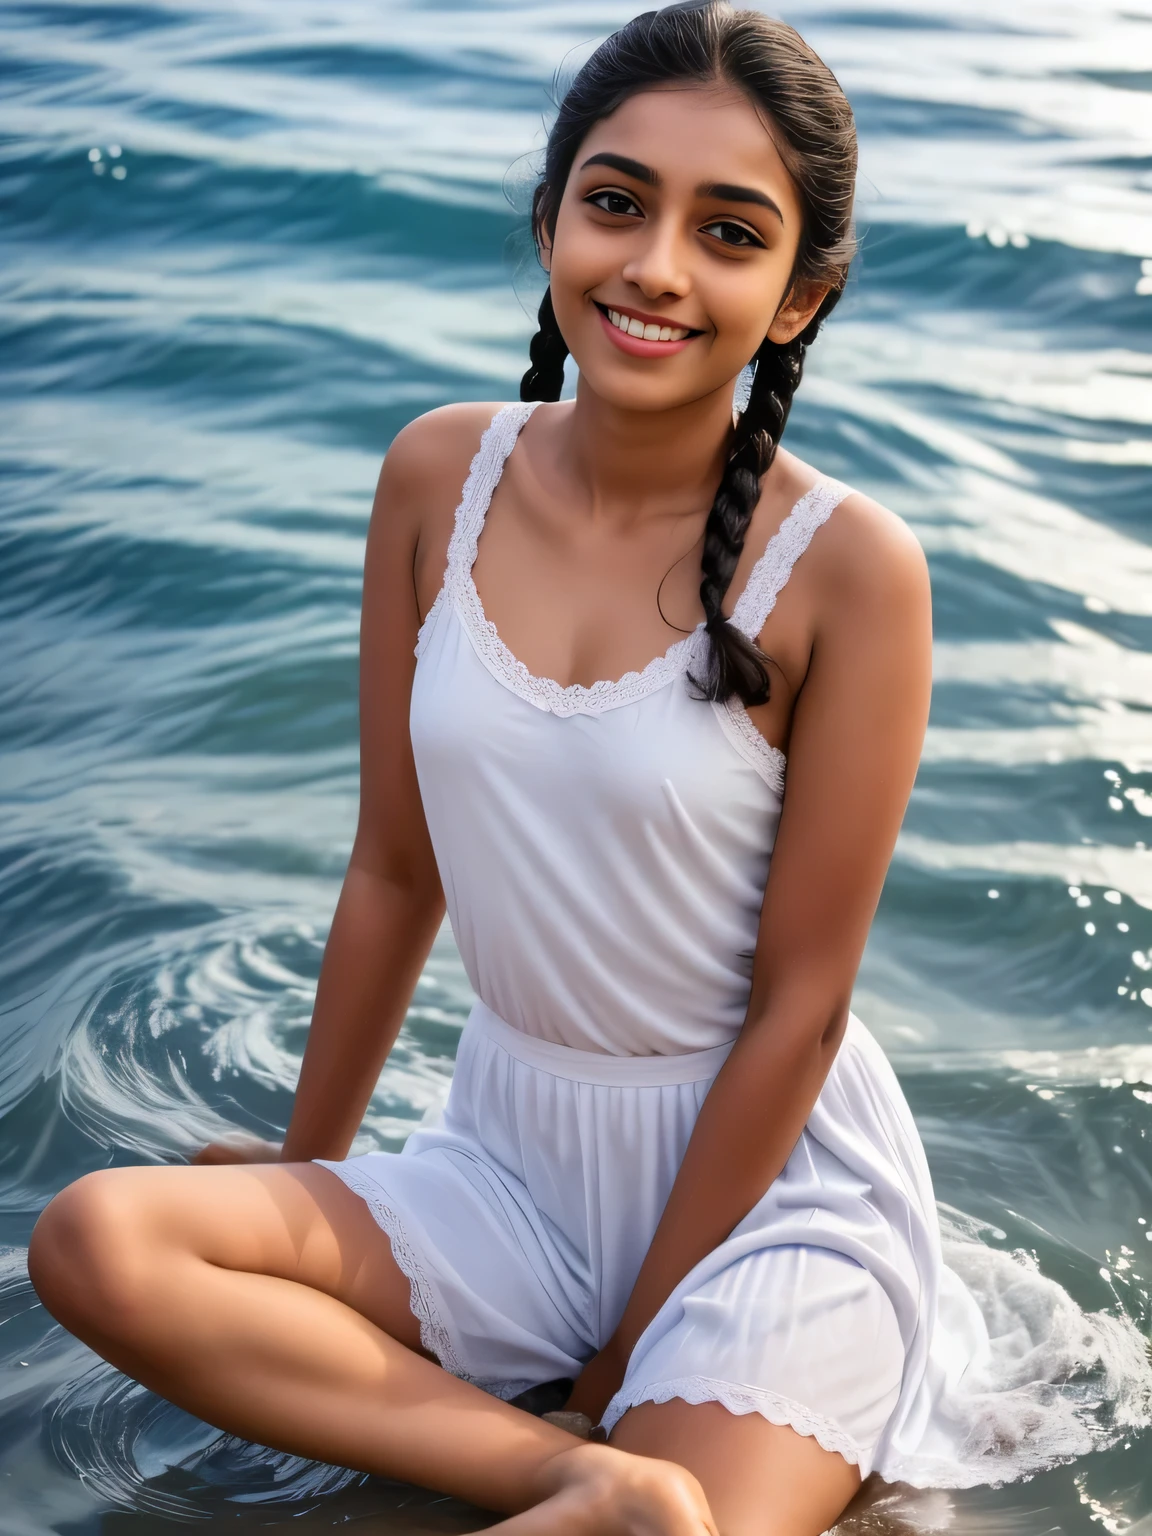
(241, 247)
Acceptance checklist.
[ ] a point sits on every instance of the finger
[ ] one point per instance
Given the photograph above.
(251, 1150)
(213, 1156)
(576, 1423)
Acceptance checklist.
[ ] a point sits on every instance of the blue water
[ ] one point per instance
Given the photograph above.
(240, 246)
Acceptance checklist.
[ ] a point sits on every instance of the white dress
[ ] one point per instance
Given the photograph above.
(604, 853)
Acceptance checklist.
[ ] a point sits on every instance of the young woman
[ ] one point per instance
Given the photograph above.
(673, 1168)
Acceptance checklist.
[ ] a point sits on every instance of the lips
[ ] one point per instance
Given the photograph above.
(643, 335)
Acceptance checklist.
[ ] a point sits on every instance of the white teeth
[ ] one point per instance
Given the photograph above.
(648, 332)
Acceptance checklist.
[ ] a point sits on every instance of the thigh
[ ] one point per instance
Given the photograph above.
(760, 1479)
(294, 1221)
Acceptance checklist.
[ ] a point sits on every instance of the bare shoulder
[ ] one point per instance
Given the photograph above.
(869, 565)
(417, 495)
(431, 455)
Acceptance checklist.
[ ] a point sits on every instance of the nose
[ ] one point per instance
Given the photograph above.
(657, 264)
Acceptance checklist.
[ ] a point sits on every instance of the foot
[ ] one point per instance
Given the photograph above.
(595, 1490)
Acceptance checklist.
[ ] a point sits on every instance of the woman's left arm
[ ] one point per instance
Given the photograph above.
(857, 731)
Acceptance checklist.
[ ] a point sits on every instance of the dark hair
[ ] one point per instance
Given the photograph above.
(814, 132)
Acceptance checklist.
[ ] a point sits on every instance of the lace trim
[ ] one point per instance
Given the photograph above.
(752, 608)
(426, 628)
(496, 443)
(768, 761)
(784, 548)
(434, 1335)
(785, 1411)
(542, 692)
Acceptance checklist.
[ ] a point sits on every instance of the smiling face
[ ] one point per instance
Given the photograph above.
(674, 246)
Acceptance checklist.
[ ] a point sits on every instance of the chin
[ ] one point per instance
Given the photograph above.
(630, 390)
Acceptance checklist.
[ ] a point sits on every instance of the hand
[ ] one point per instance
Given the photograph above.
(599, 1382)
(598, 1488)
(240, 1148)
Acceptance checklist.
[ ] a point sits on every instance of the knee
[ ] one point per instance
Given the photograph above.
(88, 1257)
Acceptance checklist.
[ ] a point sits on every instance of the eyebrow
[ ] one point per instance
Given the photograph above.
(726, 191)
(634, 168)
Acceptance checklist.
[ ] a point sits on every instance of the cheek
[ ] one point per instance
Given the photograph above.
(580, 254)
(742, 302)
(735, 324)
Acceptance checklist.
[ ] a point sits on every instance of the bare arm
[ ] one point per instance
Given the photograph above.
(391, 903)
(856, 737)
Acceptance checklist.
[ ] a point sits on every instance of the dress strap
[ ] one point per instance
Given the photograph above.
(771, 572)
(496, 443)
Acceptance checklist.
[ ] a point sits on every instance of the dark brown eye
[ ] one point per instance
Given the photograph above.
(733, 234)
(613, 202)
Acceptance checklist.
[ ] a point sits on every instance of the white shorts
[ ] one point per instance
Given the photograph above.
(521, 1221)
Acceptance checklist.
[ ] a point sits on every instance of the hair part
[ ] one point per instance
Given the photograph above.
(814, 132)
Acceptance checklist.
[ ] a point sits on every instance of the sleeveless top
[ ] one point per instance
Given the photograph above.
(603, 850)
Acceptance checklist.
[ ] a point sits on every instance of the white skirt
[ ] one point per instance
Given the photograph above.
(521, 1221)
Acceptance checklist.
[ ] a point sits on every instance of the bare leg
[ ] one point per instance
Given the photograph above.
(760, 1479)
(265, 1300)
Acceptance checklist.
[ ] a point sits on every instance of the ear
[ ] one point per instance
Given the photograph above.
(544, 249)
(801, 303)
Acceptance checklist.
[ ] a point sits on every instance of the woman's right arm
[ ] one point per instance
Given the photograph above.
(391, 903)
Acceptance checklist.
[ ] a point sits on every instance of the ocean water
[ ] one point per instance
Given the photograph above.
(240, 246)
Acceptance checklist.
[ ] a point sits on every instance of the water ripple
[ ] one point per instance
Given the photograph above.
(241, 248)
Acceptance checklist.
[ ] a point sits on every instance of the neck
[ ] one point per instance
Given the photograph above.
(637, 463)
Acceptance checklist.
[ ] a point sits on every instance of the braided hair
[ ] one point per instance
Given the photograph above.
(545, 376)
(705, 41)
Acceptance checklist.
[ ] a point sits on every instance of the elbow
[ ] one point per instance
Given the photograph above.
(835, 1024)
(813, 1025)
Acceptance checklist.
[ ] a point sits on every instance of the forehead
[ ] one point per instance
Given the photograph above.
(693, 134)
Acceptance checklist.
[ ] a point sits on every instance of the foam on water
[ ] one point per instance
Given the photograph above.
(1057, 1382)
